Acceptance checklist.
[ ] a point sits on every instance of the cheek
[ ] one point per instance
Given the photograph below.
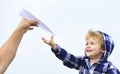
(99, 51)
(96, 48)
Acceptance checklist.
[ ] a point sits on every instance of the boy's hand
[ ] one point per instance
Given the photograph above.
(50, 42)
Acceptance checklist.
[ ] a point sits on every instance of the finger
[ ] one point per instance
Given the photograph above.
(52, 41)
(45, 40)
(52, 37)
(30, 28)
(32, 23)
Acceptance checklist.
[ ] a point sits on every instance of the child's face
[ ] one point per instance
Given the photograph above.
(93, 48)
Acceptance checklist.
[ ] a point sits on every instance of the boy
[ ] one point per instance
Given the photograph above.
(98, 47)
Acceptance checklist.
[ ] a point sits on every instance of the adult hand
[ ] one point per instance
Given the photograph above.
(27, 25)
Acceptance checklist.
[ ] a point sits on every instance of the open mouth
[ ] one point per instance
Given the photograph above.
(88, 50)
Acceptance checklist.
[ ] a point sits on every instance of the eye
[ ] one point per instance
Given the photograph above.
(92, 43)
(86, 43)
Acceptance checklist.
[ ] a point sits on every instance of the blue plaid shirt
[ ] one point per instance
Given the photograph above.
(82, 63)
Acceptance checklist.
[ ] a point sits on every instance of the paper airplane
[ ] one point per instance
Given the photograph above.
(27, 15)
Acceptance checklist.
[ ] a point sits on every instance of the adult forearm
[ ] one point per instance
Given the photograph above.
(8, 50)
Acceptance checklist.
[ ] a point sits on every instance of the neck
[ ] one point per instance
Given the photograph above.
(94, 60)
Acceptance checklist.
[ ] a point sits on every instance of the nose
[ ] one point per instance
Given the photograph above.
(87, 45)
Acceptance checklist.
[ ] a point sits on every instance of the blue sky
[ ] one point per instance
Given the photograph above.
(69, 19)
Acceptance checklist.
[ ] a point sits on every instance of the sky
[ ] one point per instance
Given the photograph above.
(70, 20)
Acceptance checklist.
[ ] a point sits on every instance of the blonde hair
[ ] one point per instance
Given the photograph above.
(96, 34)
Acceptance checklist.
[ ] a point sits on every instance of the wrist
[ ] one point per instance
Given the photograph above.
(20, 30)
(54, 47)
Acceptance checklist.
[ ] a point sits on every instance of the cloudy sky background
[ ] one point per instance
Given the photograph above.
(69, 20)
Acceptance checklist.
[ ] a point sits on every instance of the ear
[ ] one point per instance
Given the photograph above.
(103, 51)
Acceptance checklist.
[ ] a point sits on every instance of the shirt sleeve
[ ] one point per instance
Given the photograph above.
(113, 70)
(68, 59)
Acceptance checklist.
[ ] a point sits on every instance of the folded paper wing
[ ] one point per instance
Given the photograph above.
(27, 15)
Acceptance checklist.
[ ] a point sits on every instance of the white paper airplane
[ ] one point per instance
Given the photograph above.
(27, 15)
